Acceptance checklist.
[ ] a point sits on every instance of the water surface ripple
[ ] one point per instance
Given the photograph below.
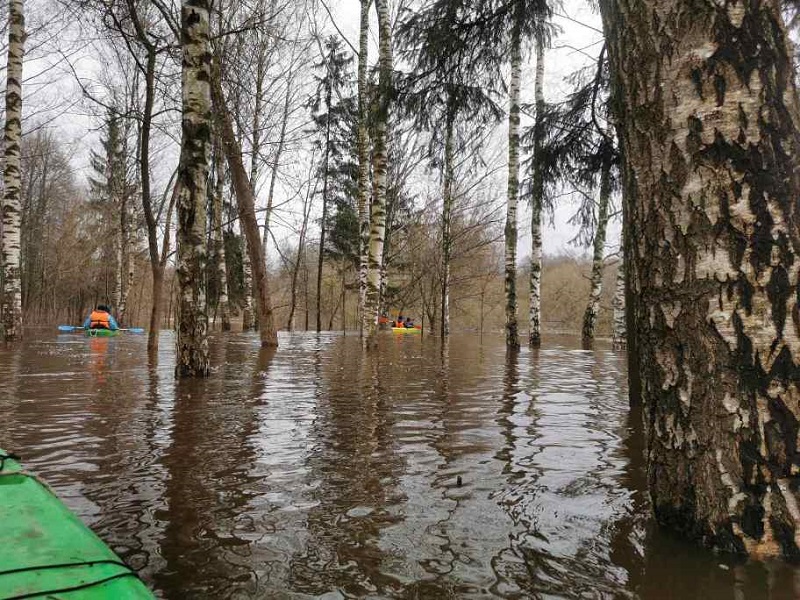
(316, 471)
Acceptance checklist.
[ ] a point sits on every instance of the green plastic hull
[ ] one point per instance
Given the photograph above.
(101, 332)
(47, 552)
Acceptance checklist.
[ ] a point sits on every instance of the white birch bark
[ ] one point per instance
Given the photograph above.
(378, 211)
(362, 143)
(512, 334)
(537, 199)
(618, 325)
(192, 342)
(247, 291)
(12, 285)
(596, 278)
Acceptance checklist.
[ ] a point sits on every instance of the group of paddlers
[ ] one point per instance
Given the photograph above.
(400, 321)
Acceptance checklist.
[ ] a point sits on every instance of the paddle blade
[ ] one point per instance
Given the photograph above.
(134, 330)
(68, 327)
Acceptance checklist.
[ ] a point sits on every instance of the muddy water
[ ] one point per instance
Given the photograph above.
(316, 472)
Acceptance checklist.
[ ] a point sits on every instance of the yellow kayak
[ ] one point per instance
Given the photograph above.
(405, 330)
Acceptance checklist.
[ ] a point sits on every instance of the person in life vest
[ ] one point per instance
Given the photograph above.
(408, 323)
(100, 318)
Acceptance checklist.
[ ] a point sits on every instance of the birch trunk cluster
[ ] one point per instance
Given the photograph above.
(706, 105)
(11, 306)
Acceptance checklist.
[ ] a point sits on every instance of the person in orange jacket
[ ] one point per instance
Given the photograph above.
(100, 318)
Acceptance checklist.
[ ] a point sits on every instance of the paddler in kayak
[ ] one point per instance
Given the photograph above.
(100, 318)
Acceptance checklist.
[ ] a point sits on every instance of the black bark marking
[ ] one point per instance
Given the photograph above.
(779, 291)
(753, 520)
(720, 85)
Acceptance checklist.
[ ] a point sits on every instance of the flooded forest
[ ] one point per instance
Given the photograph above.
(400, 299)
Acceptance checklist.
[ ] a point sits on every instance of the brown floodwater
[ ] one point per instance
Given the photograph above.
(318, 471)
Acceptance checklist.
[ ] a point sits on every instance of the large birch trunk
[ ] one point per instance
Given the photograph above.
(512, 333)
(362, 144)
(377, 229)
(537, 199)
(598, 256)
(247, 291)
(447, 213)
(708, 113)
(247, 214)
(12, 204)
(192, 341)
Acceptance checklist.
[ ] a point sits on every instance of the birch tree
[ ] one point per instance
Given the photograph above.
(708, 115)
(378, 208)
(12, 283)
(192, 342)
(537, 201)
(362, 145)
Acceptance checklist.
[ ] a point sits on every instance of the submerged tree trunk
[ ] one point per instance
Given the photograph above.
(247, 214)
(598, 256)
(447, 213)
(512, 333)
(192, 341)
(708, 112)
(247, 291)
(12, 205)
(378, 210)
(537, 199)
(362, 146)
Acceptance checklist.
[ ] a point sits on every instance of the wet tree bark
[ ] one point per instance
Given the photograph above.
(706, 103)
(537, 199)
(362, 145)
(12, 283)
(596, 280)
(192, 341)
(512, 333)
(247, 214)
(377, 229)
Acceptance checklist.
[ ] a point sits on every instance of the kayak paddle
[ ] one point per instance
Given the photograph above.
(78, 327)
(69, 327)
(133, 329)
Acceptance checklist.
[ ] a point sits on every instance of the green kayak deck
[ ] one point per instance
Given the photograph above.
(101, 332)
(47, 552)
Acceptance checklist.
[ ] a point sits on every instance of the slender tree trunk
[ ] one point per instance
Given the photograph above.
(378, 210)
(255, 154)
(219, 238)
(247, 291)
(362, 144)
(156, 267)
(512, 333)
(276, 162)
(320, 261)
(247, 214)
(299, 261)
(618, 304)
(598, 256)
(12, 202)
(708, 111)
(192, 320)
(537, 199)
(447, 212)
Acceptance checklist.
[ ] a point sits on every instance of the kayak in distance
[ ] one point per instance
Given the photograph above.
(101, 332)
(406, 329)
(48, 552)
(98, 332)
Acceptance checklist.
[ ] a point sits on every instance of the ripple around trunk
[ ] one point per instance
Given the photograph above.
(317, 468)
